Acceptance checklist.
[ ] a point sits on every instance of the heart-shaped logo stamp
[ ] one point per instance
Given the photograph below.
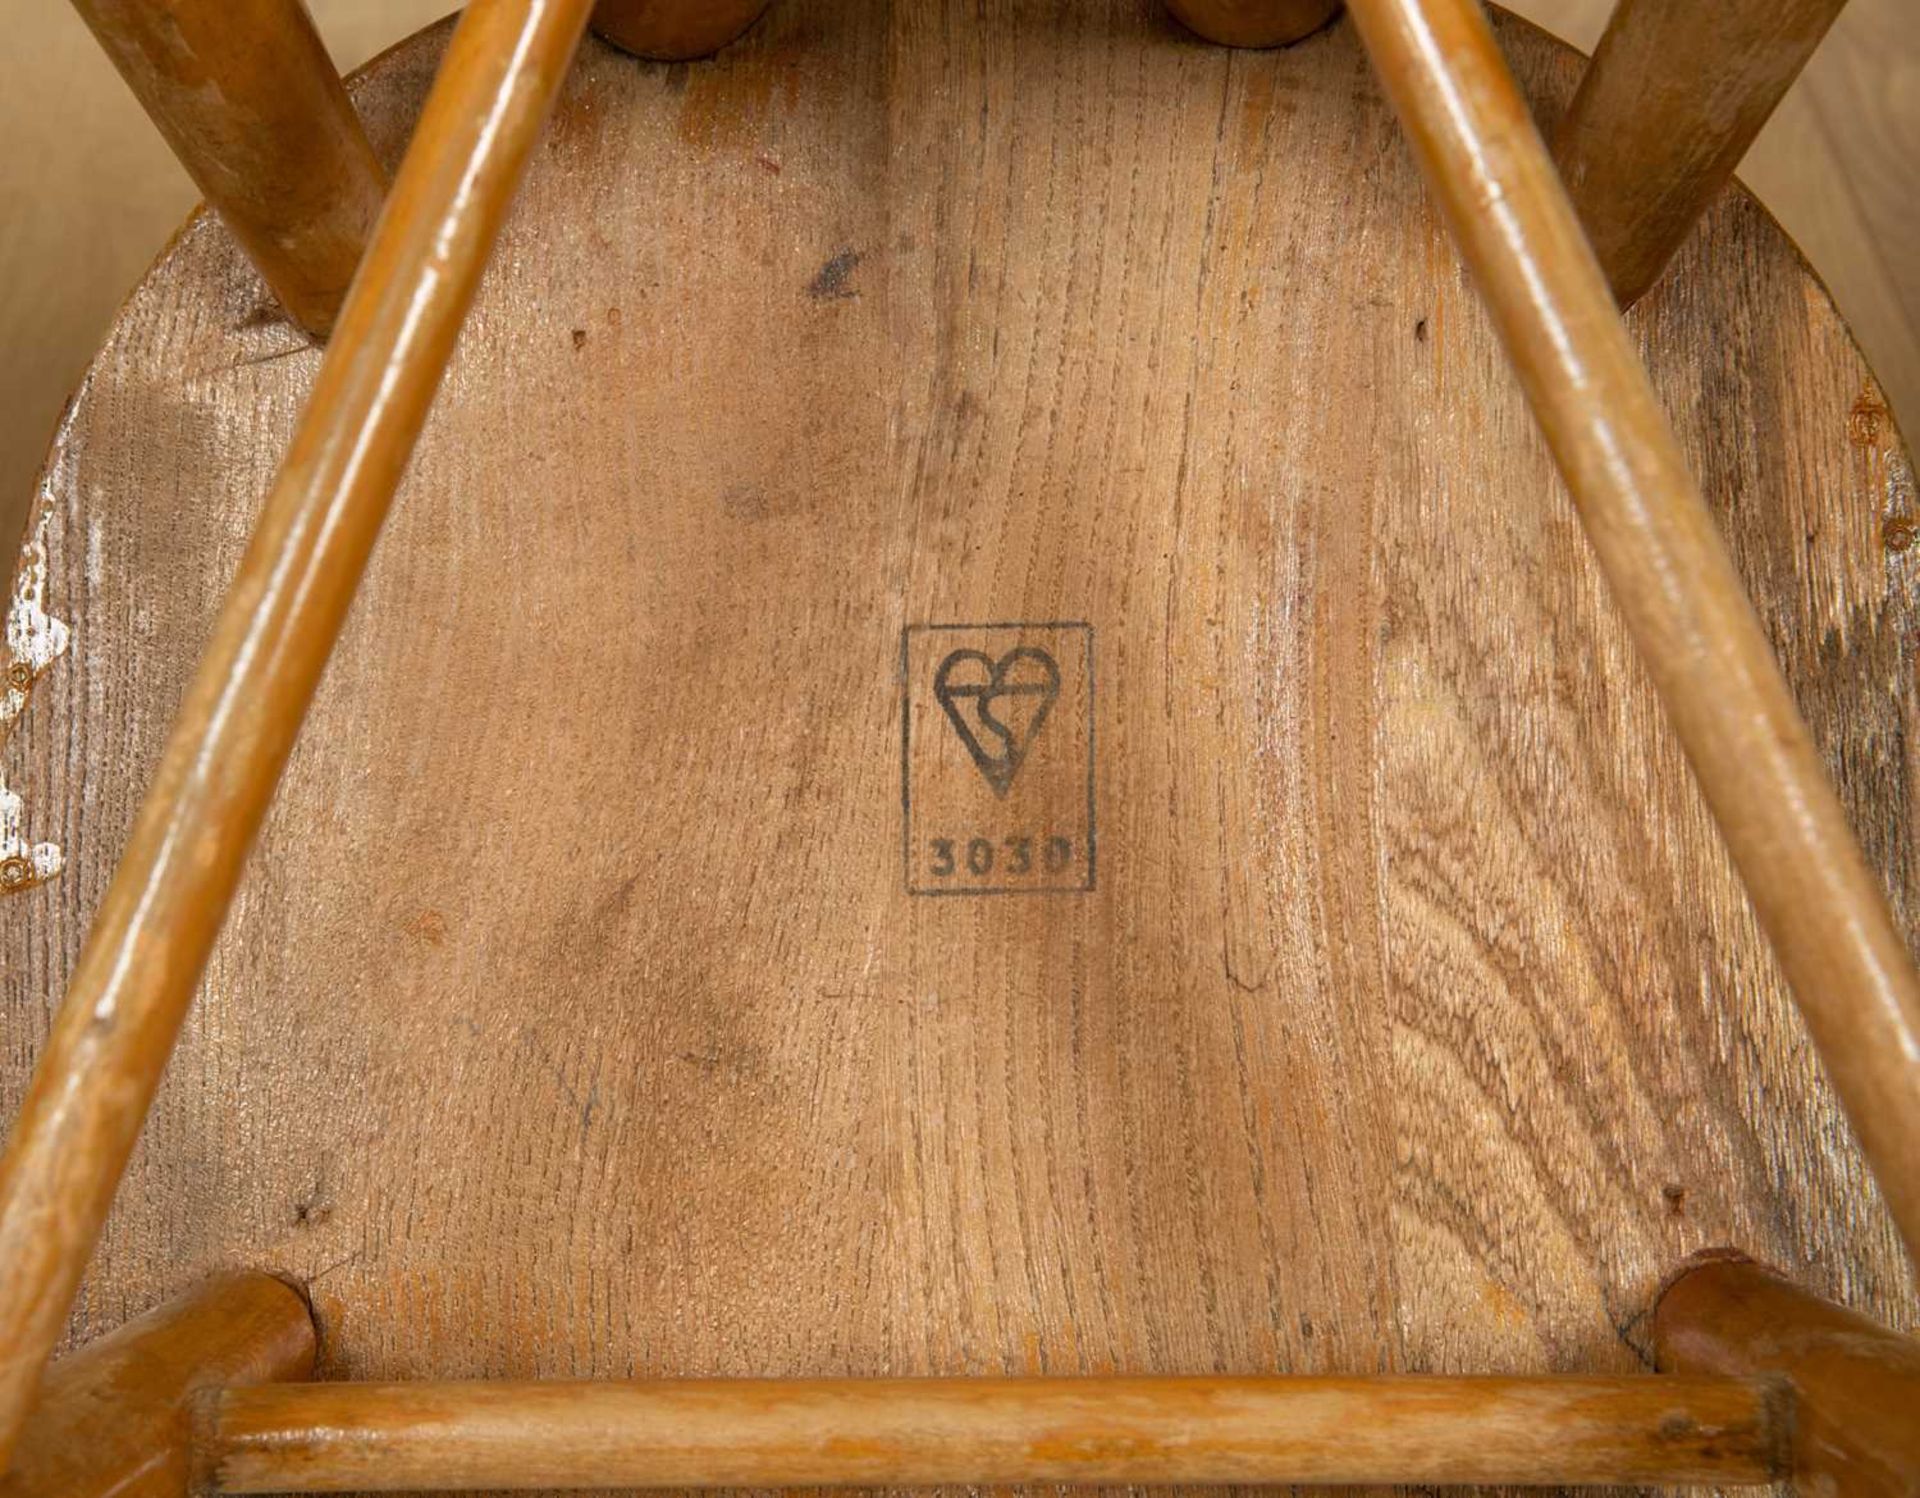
(1014, 814)
(997, 707)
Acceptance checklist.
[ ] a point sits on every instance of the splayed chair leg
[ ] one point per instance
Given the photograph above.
(1674, 96)
(246, 95)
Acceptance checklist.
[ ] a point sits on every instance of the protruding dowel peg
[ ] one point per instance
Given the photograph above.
(674, 30)
(1253, 23)
(244, 92)
(1856, 1385)
(1675, 94)
(116, 1417)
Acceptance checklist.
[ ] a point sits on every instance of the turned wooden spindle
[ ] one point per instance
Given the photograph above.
(1669, 573)
(753, 1433)
(674, 30)
(1856, 1424)
(236, 726)
(1675, 94)
(245, 94)
(115, 1419)
(1253, 23)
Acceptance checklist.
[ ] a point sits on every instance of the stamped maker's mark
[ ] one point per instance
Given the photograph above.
(998, 707)
(997, 768)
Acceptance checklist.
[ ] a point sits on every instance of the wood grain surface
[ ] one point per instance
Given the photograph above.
(574, 1019)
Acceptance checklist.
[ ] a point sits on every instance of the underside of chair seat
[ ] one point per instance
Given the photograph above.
(1372, 992)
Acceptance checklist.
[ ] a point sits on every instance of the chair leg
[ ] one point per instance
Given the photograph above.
(1856, 1431)
(246, 95)
(117, 1416)
(157, 922)
(674, 30)
(1678, 593)
(1675, 94)
(1253, 23)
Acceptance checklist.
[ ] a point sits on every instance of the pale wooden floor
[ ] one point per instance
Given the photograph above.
(88, 194)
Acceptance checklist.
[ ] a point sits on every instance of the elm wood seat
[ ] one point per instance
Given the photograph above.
(574, 1019)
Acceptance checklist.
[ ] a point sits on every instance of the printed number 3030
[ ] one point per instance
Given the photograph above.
(1013, 856)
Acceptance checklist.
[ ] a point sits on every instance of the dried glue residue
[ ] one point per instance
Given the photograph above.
(34, 641)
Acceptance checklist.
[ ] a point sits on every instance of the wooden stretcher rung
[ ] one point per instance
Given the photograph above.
(1761, 1381)
(910, 1432)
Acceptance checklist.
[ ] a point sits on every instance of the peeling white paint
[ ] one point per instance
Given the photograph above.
(23, 863)
(34, 640)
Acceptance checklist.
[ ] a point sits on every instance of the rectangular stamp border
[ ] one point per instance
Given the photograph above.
(906, 764)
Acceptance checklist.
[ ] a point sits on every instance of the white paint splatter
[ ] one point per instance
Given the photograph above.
(34, 641)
